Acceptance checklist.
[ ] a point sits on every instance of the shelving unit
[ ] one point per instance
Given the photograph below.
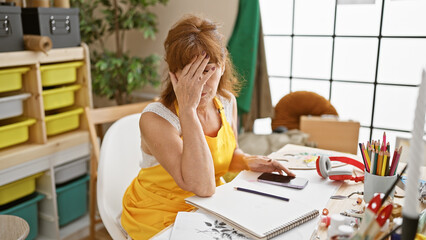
(42, 153)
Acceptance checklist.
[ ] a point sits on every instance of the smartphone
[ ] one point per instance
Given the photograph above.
(285, 181)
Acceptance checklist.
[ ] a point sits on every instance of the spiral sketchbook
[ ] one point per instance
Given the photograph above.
(256, 216)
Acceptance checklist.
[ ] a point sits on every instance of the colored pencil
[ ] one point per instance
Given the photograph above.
(385, 159)
(363, 155)
(376, 162)
(397, 160)
(373, 162)
(392, 166)
(367, 158)
(387, 169)
(384, 140)
(379, 163)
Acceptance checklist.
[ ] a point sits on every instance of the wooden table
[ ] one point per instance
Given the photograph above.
(13, 227)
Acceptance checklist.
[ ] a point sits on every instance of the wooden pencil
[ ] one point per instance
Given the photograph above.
(379, 163)
(383, 169)
(387, 169)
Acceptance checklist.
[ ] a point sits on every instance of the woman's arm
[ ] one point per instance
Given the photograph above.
(242, 161)
(187, 159)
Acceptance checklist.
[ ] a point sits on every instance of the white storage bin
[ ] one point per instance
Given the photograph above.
(12, 106)
(71, 170)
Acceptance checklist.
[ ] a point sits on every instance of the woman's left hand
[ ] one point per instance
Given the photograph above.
(258, 163)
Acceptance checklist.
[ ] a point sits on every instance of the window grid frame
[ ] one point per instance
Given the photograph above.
(375, 83)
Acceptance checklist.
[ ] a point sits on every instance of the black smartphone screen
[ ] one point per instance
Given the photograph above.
(285, 181)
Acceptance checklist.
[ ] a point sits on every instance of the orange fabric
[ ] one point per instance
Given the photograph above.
(296, 104)
(152, 200)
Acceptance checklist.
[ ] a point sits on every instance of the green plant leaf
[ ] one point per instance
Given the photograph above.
(112, 76)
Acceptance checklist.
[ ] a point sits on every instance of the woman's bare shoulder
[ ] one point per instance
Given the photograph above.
(158, 118)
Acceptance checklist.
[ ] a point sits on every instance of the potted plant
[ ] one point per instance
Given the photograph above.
(115, 74)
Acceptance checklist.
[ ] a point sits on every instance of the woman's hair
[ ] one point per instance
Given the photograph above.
(188, 38)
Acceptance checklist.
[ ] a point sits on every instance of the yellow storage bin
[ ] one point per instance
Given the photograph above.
(11, 78)
(61, 73)
(14, 131)
(59, 97)
(63, 121)
(18, 189)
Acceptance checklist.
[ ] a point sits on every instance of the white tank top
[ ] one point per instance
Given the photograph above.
(162, 111)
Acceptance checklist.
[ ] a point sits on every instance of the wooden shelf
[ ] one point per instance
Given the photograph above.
(42, 153)
(27, 152)
(10, 59)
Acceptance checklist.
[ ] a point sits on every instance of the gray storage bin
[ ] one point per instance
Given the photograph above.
(61, 25)
(71, 170)
(11, 29)
(12, 106)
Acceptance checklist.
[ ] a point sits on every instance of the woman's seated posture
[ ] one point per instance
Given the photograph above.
(189, 137)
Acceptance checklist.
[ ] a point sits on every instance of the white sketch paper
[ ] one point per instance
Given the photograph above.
(194, 225)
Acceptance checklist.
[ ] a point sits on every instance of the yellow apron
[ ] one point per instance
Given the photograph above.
(152, 200)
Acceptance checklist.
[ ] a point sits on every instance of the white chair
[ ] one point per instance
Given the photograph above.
(120, 155)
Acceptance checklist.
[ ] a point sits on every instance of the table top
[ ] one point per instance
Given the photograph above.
(334, 206)
(13, 227)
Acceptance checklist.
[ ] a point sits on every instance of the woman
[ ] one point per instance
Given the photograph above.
(189, 137)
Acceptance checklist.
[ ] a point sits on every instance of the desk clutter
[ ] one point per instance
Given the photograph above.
(233, 214)
(380, 217)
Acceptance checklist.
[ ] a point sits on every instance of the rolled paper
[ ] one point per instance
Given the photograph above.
(38, 3)
(61, 3)
(37, 43)
(18, 3)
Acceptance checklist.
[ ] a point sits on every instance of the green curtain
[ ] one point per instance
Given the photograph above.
(243, 46)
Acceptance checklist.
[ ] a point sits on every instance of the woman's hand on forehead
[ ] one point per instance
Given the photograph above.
(189, 83)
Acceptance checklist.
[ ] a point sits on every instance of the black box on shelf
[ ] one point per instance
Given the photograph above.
(10, 29)
(60, 24)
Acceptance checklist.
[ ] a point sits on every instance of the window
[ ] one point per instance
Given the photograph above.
(365, 58)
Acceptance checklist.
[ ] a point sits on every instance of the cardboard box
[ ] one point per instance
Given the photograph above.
(331, 133)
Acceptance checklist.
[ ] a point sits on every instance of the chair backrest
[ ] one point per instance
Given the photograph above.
(120, 155)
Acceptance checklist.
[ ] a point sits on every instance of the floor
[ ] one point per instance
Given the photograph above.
(101, 234)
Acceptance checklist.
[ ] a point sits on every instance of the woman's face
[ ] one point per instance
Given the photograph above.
(210, 88)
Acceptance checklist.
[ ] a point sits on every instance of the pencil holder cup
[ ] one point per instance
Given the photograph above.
(377, 184)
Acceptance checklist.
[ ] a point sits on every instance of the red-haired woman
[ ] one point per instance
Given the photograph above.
(189, 137)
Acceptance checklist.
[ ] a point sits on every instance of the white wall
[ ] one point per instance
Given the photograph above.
(223, 12)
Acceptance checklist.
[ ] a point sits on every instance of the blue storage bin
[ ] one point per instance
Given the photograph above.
(28, 211)
(72, 200)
